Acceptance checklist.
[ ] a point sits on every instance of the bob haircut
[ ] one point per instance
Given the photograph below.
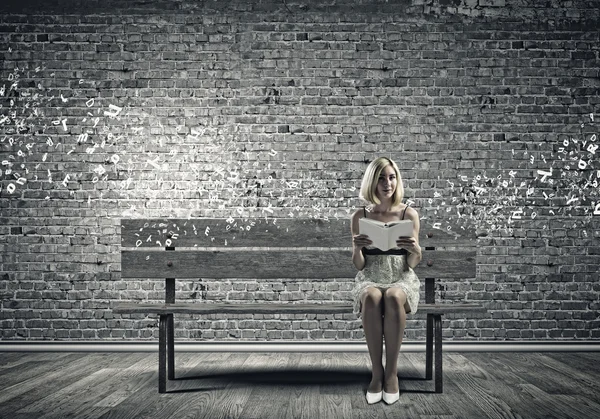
(368, 188)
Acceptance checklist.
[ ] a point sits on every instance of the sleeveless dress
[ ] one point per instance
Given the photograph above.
(386, 269)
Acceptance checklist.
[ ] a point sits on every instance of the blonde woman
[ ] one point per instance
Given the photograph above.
(386, 287)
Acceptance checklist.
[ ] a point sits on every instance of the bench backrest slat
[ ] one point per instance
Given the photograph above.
(284, 233)
(310, 264)
(215, 232)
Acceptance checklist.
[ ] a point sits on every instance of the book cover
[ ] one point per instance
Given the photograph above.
(384, 235)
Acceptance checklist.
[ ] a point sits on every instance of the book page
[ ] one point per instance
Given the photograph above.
(376, 234)
(384, 237)
(403, 228)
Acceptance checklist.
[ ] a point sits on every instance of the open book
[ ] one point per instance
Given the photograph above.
(384, 235)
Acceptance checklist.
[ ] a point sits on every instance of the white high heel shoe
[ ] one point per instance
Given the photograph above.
(374, 397)
(391, 398)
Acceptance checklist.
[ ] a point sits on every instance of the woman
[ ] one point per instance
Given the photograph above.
(386, 288)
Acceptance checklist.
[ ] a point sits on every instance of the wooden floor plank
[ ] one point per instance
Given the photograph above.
(564, 406)
(145, 398)
(348, 375)
(226, 403)
(335, 406)
(581, 361)
(127, 382)
(268, 402)
(59, 399)
(240, 379)
(359, 364)
(10, 360)
(411, 374)
(584, 405)
(302, 403)
(81, 397)
(509, 376)
(212, 378)
(402, 409)
(344, 372)
(593, 357)
(126, 391)
(51, 377)
(534, 368)
(419, 394)
(581, 373)
(201, 385)
(480, 397)
(27, 368)
(272, 370)
(297, 385)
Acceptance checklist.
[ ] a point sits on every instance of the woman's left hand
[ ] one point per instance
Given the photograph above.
(408, 243)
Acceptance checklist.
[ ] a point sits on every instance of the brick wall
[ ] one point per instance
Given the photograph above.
(178, 108)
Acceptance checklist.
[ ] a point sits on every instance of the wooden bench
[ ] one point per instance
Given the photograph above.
(274, 249)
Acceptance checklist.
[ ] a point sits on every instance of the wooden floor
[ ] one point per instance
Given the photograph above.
(296, 385)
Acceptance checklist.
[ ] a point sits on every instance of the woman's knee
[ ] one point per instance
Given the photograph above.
(372, 298)
(395, 298)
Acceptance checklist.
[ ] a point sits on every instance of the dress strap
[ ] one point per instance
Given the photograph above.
(404, 212)
(365, 211)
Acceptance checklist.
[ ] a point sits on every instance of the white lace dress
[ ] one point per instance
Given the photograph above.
(386, 271)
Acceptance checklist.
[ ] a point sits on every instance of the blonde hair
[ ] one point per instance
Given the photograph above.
(368, 188)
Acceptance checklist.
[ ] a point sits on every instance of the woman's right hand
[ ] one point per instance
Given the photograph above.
(360, 241)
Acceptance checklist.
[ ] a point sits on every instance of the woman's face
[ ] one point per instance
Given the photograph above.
(386, 185)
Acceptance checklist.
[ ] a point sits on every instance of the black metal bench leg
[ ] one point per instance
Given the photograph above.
(171, 346)
(437, 319)
(162, 353)
(429, 348)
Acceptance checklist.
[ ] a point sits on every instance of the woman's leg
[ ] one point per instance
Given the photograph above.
(394, 322)
(372, 312)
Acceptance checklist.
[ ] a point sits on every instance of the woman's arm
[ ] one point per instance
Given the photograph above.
(358, 242)
(413, 259)
(411, 244)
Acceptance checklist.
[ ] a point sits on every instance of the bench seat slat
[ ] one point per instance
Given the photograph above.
(275, 308)
(313, 264)
(450, 308)
(234, 308)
